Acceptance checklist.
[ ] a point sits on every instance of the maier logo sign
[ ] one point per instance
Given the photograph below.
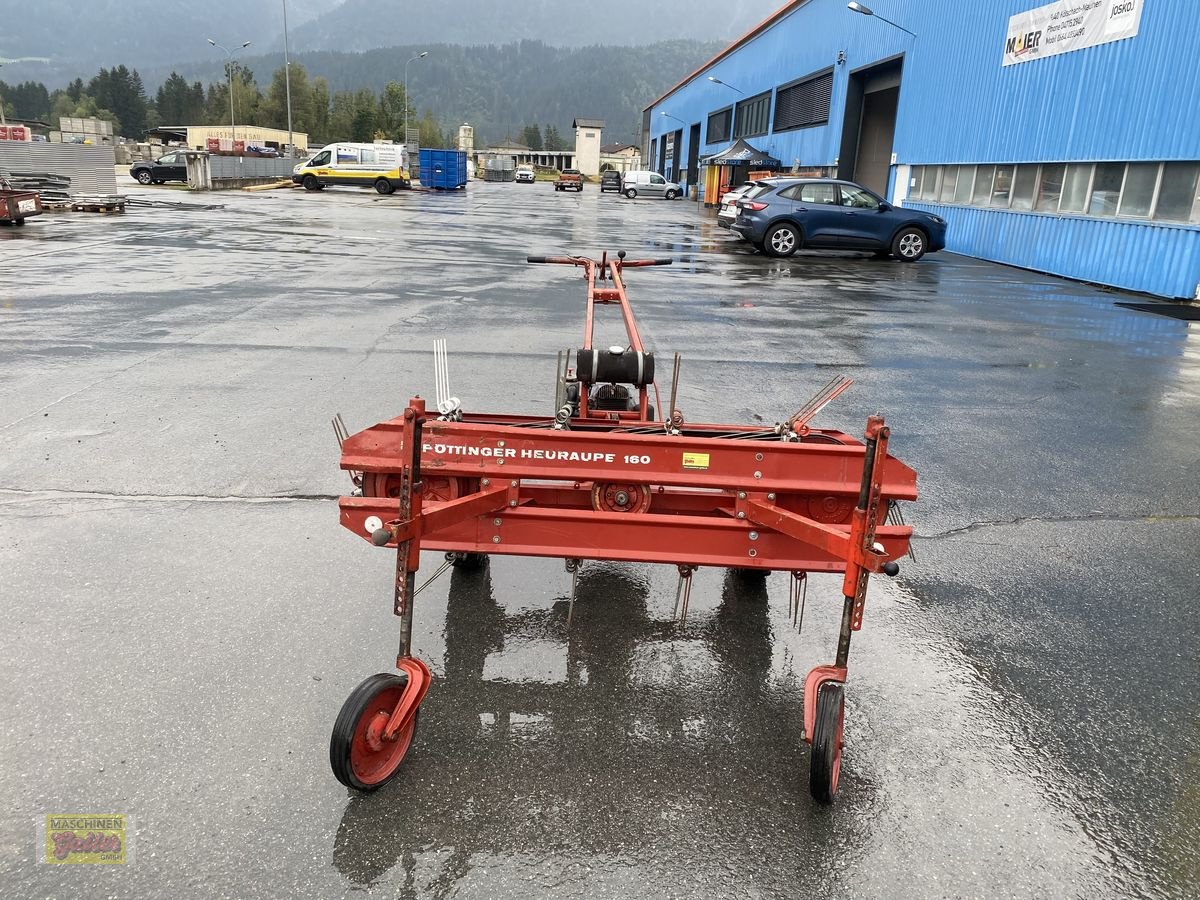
(1069, 25)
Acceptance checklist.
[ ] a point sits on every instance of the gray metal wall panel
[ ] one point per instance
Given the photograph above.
(90, 168)
(251, 167)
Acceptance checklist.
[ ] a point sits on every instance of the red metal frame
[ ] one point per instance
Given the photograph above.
(738, 496)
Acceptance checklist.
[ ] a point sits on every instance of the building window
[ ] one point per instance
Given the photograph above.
(1001, 186)
(1137, 195)
(804, 103)
(1049, 188)
(1179, 193)
(966, 183)
(719, 125)
(1024, 184)
(983, 185)
(1106, 189)
(1165, 192)
(1075, 188)
(949, 184)
(753, 116)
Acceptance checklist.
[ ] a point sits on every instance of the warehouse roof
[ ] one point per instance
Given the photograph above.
(588, 123)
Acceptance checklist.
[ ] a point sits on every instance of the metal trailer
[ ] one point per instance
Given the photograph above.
(604, 478)
(17, 206)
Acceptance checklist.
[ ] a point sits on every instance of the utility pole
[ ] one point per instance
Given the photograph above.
(287, 81)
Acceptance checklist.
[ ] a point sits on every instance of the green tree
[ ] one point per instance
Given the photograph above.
(63, 105)
(553, 140)
(180, 103)
(319, 101)
(28, 100)
(273, 112)
(366, 114)
(392, 106)
(121, 90)
(341, 117)
(431, 132)
(532, 137)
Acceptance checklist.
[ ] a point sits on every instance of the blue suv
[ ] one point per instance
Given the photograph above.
(781, 215)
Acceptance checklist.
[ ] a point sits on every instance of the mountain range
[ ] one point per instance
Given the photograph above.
(77, 38)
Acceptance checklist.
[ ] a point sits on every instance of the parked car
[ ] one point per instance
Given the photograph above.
(610, 180)
(526, 175)
(648, 184)
(782, 215)
(728, 211)
(168, 167)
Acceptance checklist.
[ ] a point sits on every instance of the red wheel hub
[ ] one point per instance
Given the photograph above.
(437, 488)
(622, 498)
(372, 757)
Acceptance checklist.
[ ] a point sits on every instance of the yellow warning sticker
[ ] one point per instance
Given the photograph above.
(695, 460)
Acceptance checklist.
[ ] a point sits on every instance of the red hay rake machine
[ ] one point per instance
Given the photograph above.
(604, 478)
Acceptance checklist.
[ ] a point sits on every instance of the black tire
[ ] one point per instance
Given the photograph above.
(144, 177)
(909, 244)
(631, 193)
(383, 186)
(468, 562)
(311, 184)
(363, 701)
(782, 239)
(20, 223)
(826, 764)
(671, 195)
(750, 574)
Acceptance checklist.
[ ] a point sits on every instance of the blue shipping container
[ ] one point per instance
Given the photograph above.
(445, 170)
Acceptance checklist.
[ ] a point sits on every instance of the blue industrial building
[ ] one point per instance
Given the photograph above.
(1062, 137)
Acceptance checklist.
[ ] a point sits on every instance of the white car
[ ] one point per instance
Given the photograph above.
(526, 174)
(728, 211)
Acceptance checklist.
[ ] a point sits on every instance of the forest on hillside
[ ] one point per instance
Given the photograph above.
(500, 90)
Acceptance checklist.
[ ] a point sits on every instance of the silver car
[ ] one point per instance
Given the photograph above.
(648, 184)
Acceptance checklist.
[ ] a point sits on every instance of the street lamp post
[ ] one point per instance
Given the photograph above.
(716, 80)
(229, 77)
(867, 11)
(3, 123)
(287, 82)
(421, 55)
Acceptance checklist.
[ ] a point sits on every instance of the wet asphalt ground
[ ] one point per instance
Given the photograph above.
(184, 616)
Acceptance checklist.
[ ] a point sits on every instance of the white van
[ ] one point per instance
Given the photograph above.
(648, 184)
(381, 166)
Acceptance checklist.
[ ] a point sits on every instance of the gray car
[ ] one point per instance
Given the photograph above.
(648, 184)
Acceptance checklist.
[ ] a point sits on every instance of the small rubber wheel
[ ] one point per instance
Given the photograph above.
(383, 186)
(144, 176)
(782, 240)
(671, 195)
(311, 183)
(909, 244)
(631, 193)
(359, 756)
(751, 575)
(19, 223)
(826, 764)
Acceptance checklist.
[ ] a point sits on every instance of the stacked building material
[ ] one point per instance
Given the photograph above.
(53, 187)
